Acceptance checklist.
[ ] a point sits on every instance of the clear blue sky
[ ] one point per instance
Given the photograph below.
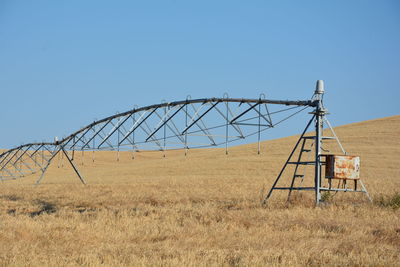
(64, 63)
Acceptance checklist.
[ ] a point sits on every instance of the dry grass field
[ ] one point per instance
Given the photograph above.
(204, 209)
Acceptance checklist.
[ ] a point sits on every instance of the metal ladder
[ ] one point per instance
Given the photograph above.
(299, 173)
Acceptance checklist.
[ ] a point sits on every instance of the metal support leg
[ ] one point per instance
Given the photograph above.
(365, 191)
(49, 161)
(42, 175)
(73, 166)
(47, 165)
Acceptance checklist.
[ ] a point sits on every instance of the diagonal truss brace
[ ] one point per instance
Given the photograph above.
(194, 121)
(164, 121)
(137, 124)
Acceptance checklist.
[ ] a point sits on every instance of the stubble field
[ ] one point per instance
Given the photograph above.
(204, 209)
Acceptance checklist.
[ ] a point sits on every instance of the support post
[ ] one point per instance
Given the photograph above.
(318, 158)
(319, 118)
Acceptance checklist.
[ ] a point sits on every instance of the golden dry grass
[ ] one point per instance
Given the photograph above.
(204, 210)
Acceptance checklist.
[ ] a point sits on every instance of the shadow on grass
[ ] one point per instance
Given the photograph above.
(45, 208)
(392, 201)
(11, 197)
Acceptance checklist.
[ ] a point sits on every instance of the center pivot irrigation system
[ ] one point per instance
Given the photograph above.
(195, 123)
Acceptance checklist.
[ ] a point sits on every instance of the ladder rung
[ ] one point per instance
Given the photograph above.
(323, 137)
(294, 188)
(302, 162)
(341, 189)
(306, 162)
(306, 150)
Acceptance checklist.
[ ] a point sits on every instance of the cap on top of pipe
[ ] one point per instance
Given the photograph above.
(319, 89)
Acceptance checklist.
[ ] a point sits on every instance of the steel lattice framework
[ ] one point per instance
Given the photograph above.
(187, 124)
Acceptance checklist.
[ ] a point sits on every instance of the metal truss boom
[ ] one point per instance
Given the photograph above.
(186, 124)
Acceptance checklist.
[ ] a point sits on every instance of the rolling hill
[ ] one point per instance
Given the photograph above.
(204, 209)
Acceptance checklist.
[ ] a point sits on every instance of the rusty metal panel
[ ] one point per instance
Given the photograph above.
(342, 167)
